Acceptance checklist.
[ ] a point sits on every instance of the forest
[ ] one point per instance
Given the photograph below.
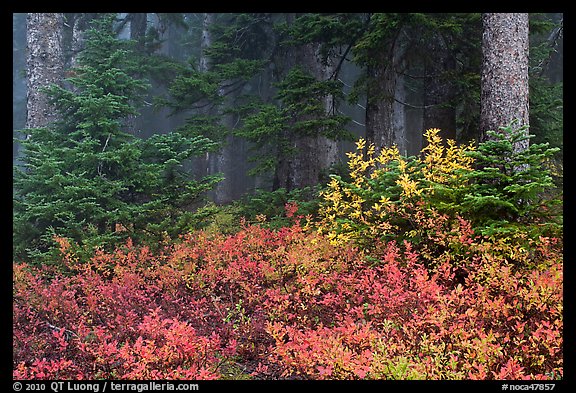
(287, 196)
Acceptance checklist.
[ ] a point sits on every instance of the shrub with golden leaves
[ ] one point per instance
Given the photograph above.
(386, 189)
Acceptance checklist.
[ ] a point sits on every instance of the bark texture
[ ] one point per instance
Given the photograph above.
(385, 108)
(504, 85)
(313, 154)
(45, 64)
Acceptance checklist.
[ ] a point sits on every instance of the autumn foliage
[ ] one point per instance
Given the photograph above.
(274, 304)
(388, 282)
(388, 191)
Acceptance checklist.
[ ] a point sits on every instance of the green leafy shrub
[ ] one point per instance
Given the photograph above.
(269, 207)
(216, 219)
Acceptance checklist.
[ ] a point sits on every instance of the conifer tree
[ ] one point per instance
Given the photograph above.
(89, 178)
(289, 126)
(502, 199)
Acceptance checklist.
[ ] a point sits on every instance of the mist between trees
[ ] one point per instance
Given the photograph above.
(224, 105)
(288, 196)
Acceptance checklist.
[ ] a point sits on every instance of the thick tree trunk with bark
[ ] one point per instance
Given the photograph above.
(385, 111)
(206, 41)
(75, 26)
(45, 64)
(504, 85)
(315, 153)
(18, 79)
(380, 94)
(228, 160)
(216, 162)
(207, 164)
(138, 26)
(399, 115)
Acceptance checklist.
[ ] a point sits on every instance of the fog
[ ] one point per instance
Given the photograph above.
(233, 160)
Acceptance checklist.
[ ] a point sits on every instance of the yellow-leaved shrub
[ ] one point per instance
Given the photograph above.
(387, 190)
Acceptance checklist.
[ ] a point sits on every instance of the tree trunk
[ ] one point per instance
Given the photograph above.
(206, 41)
(399, 115)
(213, 162)
(327, 148)
(45, 64)
(439, 93)
(18, 79)
(224, 161)
(138, 26)
(385, 113)
(206, 164)
(504, 85)
(75, 27)
(380, 94)
(313, 154)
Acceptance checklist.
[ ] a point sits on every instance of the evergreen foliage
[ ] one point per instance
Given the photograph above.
(546, 95)
(207, 94)
(334, 32)
(89, 178)
(442, 265)
(503, 193)
(460, 32)
(241, 47)
(300, 112)
(510, 190)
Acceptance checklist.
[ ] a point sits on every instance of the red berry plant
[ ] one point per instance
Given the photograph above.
(312, 300)
(288, 303)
